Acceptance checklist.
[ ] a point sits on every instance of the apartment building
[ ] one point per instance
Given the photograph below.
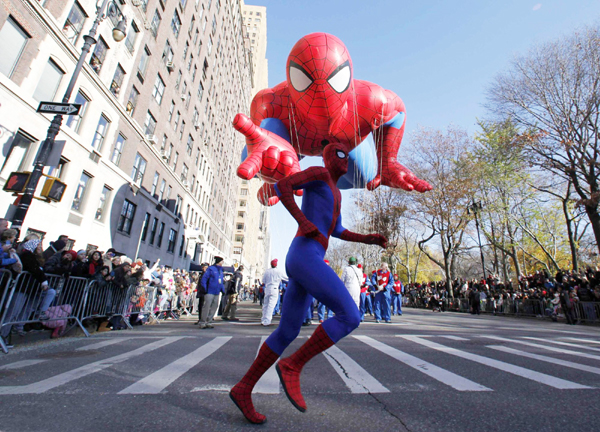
(150, 160)
(251, 242)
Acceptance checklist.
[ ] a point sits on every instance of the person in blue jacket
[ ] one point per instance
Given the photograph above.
(383, 281)
(212, 282)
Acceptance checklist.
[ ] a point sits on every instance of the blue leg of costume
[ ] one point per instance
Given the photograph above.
(310, 276)
(321, 311)
(362, 306)
(368, 304)
(386, 306)
(277, 306)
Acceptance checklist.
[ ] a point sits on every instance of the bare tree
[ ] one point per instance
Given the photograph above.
(555, 91)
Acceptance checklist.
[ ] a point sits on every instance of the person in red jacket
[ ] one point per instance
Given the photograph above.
(397, 296)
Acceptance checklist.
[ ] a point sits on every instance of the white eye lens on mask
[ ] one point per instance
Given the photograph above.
(340, 78)
(340, 154)
(299, 79)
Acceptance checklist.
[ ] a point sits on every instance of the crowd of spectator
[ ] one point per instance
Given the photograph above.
(568, 294)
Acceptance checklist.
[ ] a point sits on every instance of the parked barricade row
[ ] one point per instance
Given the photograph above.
(141, 300)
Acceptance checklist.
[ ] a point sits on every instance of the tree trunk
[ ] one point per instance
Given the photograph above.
(594, 217)
(572, 245)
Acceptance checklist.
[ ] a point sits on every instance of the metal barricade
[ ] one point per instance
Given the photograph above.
(29, 301)
(588, 312)
(141, 301)
(5, 288)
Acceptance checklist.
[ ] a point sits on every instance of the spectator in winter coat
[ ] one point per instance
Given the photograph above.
(7, 238)
(55, 247)
(30, 297)
(212, 282)
(80, 266)
(60, 263)
(94, 262)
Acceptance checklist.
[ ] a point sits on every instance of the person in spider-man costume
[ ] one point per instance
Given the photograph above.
(309, 277)
(319, 103)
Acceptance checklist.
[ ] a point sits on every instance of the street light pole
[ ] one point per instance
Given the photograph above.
(476, 207)
(54, 128)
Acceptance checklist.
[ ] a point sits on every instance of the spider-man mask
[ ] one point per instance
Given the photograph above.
(336, 160)
(319, 74)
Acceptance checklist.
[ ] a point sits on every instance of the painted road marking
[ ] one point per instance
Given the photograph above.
(547, 348)
(156, 382)
(357, 379)
(269, 382)
(103, 344)
(21, 364)
(552, 360)
(562, 343)
(67, 377)
(445, 377)
(496, 364)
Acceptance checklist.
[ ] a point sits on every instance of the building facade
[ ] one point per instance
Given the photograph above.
(150, 160)
(251, 242)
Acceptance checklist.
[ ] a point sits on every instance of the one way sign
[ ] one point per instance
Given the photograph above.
(59, 108)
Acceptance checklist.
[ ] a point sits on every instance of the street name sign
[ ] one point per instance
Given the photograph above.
(59, 108)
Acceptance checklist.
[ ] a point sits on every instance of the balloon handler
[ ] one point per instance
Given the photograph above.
(309, 276)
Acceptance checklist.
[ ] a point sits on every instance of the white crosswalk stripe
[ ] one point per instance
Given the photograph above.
(584, 340)
(562, 343)
(102, 344)
(161, 379)
(269, 382)
(446, 377)
(66, 377)
(544, 347)
(496, 364)
(21, 364)
(552, 360)
(357, 379)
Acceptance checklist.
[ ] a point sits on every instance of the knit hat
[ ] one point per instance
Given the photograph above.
(352, 261)
(58, 245)
(81, 252)
(274, 262)
(218, 259)
(359, 265)
(72, 253)
(31, 245)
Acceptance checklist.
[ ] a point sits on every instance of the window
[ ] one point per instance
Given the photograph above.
(209, 45)
(244, 192)
(131, 36)
(178, 202)
(171, 109)
(184, 172)
(177, 117)
(154, 183)
(118, 150)
(200, 91)
(153, 230)
(240, 226)
(181, 129)
(74, 121)
(161, 192)
(190, 144)
(194, 73)
(181, 244)
(12, 42)
(126, 217)
(143, 66)
(167, 53)
(175, 159)
(241, 214)
(102, 203)
(176, 24)
(155, 23)
(145, 227)
(214, 25)
(98, 55)
(185, 50)
(242, 203)
(101, 131)
(115, 86)
(80, 192)
(138, 170)
(172, 240)
(49, 82)
(161, 232)
(159, 89)
(149, 124)
(74, 23)
(132, 100)
(189, 63)
(239, 238)
(197, 155)
(178, 81)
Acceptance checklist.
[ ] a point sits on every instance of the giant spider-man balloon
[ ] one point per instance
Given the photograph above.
(318, 104)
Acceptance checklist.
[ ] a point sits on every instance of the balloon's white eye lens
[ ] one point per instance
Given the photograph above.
(341, 154)
(299, 79)
(340, 78)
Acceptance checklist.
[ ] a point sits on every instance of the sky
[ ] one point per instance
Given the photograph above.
(438, 56)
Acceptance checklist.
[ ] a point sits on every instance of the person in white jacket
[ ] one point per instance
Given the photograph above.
(352, 278)
(272, 278)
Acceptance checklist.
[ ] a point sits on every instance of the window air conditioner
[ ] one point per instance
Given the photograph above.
(151, 139)
(170, 66)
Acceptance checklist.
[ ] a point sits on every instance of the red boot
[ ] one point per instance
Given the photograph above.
(241, 393)
(289, 369)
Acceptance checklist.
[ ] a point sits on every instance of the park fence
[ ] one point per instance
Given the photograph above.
(588, 312)
(66, 302)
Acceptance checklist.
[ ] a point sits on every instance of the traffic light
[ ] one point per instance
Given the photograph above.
(53, 189)
(16, 182)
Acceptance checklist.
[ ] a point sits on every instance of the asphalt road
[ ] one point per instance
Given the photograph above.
(423, 372)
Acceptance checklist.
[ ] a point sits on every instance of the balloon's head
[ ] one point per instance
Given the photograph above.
(335, 157)
(319, 76)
